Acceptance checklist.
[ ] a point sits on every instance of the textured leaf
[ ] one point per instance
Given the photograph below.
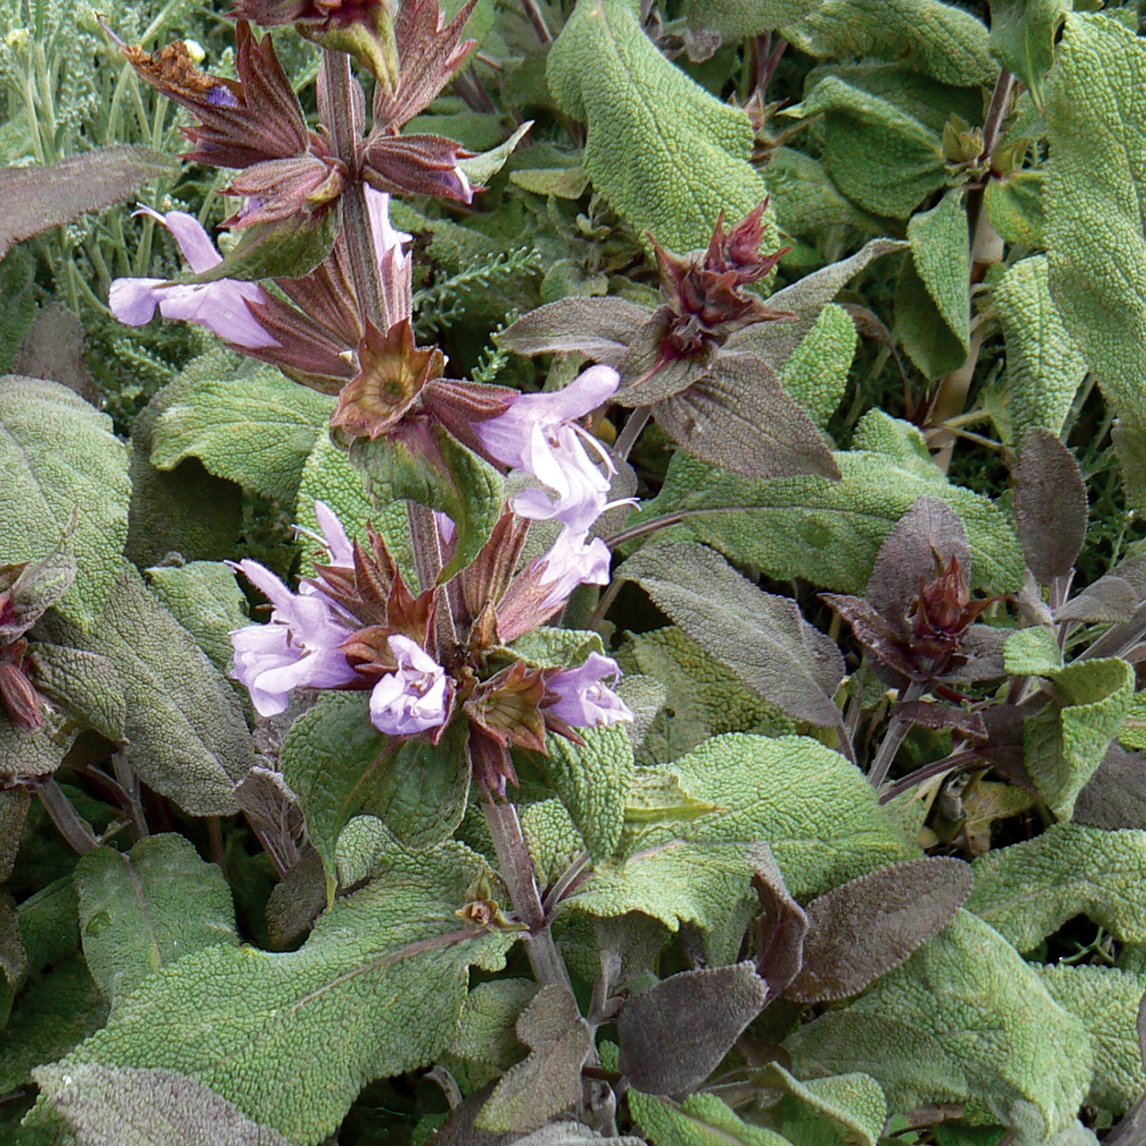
(36, 199)
(862, 930)
(37, 753)
(1022, 36)
(815, 810)
(1106, 1000)
(667, 155)
(739, 19)
(805, 198)
(879, 156)
(256, 431)
(17, 307)
(674, 1035)
(1094, 213)
(186, 510)
(51, 1015)
(552, 839)
(64, 470)
(599, 328)
(1014, 205)
(14, 804)
(655, 797)
(702, 698)
(854, 1102)
(816, 374)
(548, 1080)
(1029, 890)
(340, 766)
(205, 598)
(284, 248)
(940, 40)
(145, 1108)
(480, 169)
(760, 637)
(186, 736)
(486, 1037)
(933, 300)
(86, 686)
(1066, 742)
(1032, 652)
(1044, 366)
(781, 926)
(964, 1017)
(827, 532)
(290, 1039)
(1050, 506)
(702, 1120)
(591, 782)
(439, 472)
(142, 910)
(1116, 795)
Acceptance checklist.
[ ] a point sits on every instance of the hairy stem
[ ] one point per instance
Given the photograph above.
(894, 736)
(70, 824)
(517, 871)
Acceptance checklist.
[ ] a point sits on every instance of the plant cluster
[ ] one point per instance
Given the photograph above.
(604, 605)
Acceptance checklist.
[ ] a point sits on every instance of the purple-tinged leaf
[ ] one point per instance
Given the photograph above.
(936, 716)
(599, 328)
(674, 1035)
(14, 804)
(874, 632)
(762, 638)
(780, 927)
(103, 1104)
(1115, 796)
(548, 1080)
(54, 349)
(647, 376)
(739, 417)
(928, 530)
(1050, 505)
(1110, 600)
(36, 199)
(284, 248)
(862, 930)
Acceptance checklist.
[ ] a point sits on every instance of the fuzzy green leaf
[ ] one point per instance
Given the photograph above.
(1022, 36)
(84, 685)
(702, 1120)
(1029, 890)
(1066, 742)
(879, 156)
(439, 472)
(142, 910)
(64, 470)
(1044, 366)
(1014, 205)
(256, 431)
(855, 1103)
(186, 735)
(591, 782)
(667, 155)
(486, 1035)
(939, 40)
(806, 199)
(739, 19)
(933, 301)
(762, 638)
(1106, 1000)
(815, 810)
(702, 698)
(964, 1018)
(1032, 652)
(828, 532)
(290, 1039)
(340, 766)
(145, 1108)
(205, 598)
(1095, 222)
(816, 374)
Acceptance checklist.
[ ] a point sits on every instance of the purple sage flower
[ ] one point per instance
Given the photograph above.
(220, 306)
(573, 560)
(581, 698)
(413, 698)
(539, 434)
(297, 648)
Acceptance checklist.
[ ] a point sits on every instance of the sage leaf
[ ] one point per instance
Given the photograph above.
(1050, 506)
(701, 1119)
(1022, 36)
(816, 373)
(854, 1102)
(760, 637)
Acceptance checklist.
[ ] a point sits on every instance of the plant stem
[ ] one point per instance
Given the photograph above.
(517, 871)
(628, 436)
(537, 21)
(894, 736)
(929, 772)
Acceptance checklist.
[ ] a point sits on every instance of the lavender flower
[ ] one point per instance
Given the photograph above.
(413, 698)
(573, 560)
(297, 648)
(220, 306)
(539, 435)
(580, 697)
